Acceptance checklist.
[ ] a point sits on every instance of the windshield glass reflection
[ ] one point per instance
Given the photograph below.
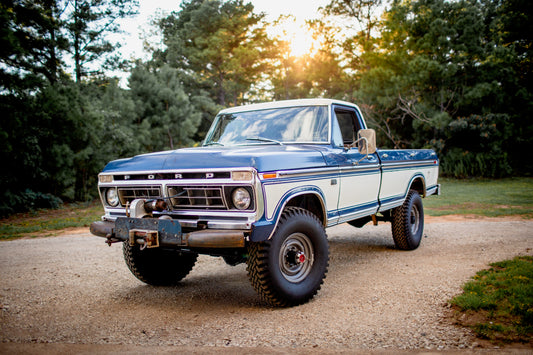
(307, 124)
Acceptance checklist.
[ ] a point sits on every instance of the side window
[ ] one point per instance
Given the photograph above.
(348, 125)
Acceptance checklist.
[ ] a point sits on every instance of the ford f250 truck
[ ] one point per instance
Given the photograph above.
(262, 188)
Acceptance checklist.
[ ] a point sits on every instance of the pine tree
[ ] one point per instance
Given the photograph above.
(165, 116)
(89, 24)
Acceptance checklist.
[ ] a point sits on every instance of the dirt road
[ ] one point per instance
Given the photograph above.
(74, 289)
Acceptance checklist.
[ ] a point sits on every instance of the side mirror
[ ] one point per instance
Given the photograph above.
(366, 140)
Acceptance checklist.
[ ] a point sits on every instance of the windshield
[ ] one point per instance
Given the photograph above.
(307, 124)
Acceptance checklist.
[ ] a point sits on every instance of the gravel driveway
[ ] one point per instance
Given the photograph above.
(74, 289)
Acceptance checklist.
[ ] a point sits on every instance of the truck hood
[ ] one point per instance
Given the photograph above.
(262, 158)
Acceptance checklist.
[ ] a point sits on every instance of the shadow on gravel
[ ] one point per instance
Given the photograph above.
(353, 250)
(229, 290)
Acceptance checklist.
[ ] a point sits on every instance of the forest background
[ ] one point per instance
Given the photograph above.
(454, 76)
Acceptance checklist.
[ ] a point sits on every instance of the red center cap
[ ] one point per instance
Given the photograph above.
(301, 257)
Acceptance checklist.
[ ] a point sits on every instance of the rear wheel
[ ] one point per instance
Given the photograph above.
(408, 222)
(156, 266)
(290, 268)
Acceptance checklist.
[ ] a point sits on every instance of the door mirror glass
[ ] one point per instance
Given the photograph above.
(366, 141)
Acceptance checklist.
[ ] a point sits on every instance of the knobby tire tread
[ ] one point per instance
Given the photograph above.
(401, 232)
(258, 270)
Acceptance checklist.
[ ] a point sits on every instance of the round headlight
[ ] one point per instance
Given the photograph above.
(241, 198)
(111, 197)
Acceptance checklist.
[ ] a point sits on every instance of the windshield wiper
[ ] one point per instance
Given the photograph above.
(261, 139)
(214, 143)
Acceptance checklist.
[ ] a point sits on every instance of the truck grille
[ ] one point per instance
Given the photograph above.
(198, 197)
(128, 194)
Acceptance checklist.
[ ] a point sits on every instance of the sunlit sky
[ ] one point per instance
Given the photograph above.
(302, 10)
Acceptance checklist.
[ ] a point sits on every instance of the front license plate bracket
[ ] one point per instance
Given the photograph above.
(157, 232)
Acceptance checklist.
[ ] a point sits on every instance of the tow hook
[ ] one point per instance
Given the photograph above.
(145, 238)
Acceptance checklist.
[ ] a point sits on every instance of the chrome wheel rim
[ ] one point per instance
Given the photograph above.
(414, 219)
(296, 257)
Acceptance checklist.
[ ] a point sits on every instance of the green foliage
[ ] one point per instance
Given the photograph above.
(88, 24)
(478, 146)
(27, 200)
(219, 46)
(503, 297)
(57, 135)
(30, 42)
(164, 115)
(442, 77)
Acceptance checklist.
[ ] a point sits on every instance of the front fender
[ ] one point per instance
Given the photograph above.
(264, 228)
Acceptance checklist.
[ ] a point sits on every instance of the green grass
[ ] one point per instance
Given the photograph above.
(498, 303)
(46, 222)
(490, 198)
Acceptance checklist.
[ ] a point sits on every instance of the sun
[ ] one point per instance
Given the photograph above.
(302, 43)
(297, 35)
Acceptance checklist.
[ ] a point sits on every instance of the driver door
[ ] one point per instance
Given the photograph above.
(359, 175)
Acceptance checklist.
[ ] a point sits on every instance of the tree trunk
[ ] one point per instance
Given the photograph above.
(170, 140)
(77, 55)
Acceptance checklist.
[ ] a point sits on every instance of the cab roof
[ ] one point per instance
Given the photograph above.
(287, 103)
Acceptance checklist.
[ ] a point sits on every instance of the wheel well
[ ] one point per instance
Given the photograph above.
(311, 203)
(419, 186)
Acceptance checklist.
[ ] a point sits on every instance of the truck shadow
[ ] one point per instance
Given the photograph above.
(224, 286)
(356, 245)
(213, 284)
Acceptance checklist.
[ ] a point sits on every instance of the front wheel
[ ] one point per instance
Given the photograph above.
(289, 269)
(158, 267)
(408, 222)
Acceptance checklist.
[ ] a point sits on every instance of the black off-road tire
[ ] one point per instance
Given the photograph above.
(158, 267)
(408, 222)
(289, 269)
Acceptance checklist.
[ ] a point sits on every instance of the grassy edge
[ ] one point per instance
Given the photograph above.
(483, 197)
(50, 222)
(497, 303)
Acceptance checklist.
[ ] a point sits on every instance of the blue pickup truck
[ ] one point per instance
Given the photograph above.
(262, 188)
